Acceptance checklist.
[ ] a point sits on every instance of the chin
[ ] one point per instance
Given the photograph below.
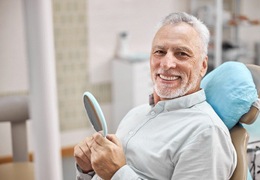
(169, 93)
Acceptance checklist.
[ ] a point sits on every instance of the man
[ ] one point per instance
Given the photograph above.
(179, 136)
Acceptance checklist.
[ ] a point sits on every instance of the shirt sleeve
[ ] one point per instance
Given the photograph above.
(209, 155)
(125, 172)
(83, 176)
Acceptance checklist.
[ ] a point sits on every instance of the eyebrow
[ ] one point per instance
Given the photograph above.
(158, 47)
(179, 48)
(182, 48)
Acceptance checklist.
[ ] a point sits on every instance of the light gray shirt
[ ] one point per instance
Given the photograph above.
(182, 138)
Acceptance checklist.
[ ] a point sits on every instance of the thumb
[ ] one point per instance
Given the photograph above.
(114, 139)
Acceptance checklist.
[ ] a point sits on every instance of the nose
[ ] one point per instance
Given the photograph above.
(168, 61)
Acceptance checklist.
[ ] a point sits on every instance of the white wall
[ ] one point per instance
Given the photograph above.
(249, 35)
(13, 64)
(108, 18)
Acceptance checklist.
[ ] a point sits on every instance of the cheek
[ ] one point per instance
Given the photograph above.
(153, 65)
(194, 75)
(153, 69)
(190, 72)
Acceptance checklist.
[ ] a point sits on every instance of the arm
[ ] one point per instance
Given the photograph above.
(82, 156)
(108, 159)
(126, 172)
(83, 176)
(103, 156)
(210, 155)
(107, 155)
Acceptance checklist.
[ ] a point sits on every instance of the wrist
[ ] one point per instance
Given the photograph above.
(90, 171)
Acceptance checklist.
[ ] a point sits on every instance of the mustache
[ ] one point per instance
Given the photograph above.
(169, 72)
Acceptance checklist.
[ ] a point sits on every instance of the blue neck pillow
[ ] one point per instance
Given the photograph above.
(230, 90)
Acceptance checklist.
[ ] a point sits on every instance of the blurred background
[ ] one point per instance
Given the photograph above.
(103, 47)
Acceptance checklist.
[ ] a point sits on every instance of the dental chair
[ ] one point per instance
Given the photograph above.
(233, 91)
(239, 134)
(14, 109)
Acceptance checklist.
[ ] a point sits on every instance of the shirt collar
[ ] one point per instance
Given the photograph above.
(182, 102)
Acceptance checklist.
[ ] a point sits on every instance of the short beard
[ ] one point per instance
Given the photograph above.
(167, 92)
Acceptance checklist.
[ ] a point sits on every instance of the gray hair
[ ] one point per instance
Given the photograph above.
(198, 25)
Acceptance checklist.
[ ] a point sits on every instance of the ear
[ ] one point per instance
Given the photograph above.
(204, 66)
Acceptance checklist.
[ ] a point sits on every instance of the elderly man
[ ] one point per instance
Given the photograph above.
(179, 136)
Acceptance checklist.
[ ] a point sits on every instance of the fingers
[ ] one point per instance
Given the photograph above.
(82, 152)
(79, 153)
(107, 156)
(83, 165)
(99, 139)
(114, 139)
(96, 150)
(103, 144)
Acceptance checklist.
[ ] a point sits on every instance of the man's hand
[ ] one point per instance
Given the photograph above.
(82, 154)
(107, 155)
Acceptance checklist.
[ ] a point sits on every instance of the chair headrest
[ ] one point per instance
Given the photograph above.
(253, 113)
(231, 91)
(255, 71)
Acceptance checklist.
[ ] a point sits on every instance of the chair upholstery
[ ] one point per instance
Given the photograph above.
(240, 139)
(14, 109)
(239, 134)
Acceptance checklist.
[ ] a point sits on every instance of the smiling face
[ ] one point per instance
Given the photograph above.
(176, 61)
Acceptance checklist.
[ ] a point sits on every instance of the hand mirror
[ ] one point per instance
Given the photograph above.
(95, 113)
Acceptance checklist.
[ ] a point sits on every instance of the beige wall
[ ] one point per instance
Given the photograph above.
(71, 49)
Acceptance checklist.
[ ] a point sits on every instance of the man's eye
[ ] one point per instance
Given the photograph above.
(181, 54)
(159, 52)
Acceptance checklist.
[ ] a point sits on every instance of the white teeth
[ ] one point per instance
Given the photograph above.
(169, 78)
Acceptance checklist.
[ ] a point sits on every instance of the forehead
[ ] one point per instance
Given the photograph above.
(176, 34)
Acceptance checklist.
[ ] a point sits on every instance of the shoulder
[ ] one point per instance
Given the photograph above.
(208, 113)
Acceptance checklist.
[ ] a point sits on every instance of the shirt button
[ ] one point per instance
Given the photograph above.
(152, 113)
(79, 178)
